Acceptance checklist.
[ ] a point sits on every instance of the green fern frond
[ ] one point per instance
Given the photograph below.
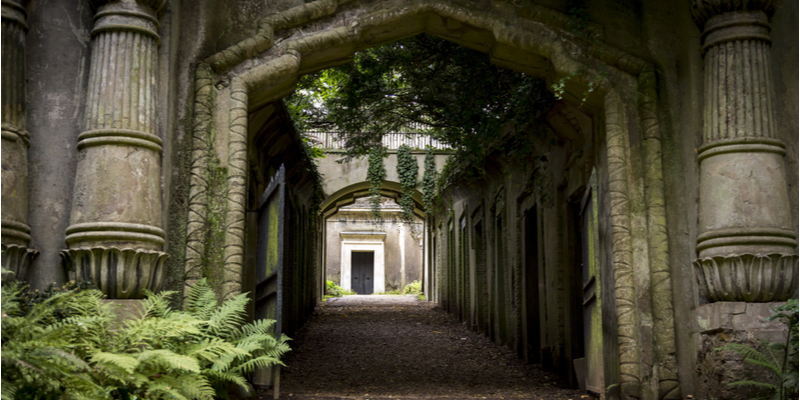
(766, 365)
(169, 359)
(192, 386)
(225, 376)
(754, 356)
(258, 327)
(201, 301)
(162, 389)
(249, 366)
(157, 305)
(225, 321)
(125, 362)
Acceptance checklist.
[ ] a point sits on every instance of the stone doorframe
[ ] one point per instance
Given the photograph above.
(363, 241)
(266, 66)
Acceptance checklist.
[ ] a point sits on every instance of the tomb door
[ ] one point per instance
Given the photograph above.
(592, 299)
(271, 264)
(363, 271)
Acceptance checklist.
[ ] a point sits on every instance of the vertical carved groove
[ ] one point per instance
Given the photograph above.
(13, 58)
(740, 96)
(741, 145)
(16, 256)
(622, 252)
(119, 173)
(200, 175)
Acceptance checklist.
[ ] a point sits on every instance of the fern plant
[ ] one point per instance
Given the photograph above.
(780, 360)
(39, 350)
(164, 353)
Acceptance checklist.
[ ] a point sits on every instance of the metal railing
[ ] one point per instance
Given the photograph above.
(327, 140)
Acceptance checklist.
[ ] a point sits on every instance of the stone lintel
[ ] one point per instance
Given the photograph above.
(363, 236)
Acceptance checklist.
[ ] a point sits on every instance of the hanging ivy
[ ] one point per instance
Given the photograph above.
(429, 181)
(407, 173)
(376, 173)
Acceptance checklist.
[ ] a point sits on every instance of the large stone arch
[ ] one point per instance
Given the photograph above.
(349, 194)
(324, 33)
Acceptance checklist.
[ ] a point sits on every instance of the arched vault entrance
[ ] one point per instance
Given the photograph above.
(349, 194)
(265, 67)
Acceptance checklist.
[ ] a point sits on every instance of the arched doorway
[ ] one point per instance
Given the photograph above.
(264, 68)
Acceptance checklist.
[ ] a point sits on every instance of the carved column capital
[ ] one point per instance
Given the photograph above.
(17, 259)
(748, 277)
(13, 10)
(154, 6)
(120, 273)
(705, 10)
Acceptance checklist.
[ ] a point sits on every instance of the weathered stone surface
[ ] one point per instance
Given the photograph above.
(16, 140)
(746, 246)
(732, 322)
(117, 198)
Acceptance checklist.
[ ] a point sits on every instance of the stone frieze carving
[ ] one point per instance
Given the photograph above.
(748, 277)
(118, 273)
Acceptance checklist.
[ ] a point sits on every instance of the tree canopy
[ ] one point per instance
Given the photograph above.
(454, 92)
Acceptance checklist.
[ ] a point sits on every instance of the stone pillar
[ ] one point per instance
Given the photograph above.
(747, 247)
(16, 256)
(115, 236)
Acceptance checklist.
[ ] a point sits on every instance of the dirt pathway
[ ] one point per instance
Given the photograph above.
(397, 346)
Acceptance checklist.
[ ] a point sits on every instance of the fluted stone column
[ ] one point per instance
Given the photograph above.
(115, 236)
(16, 255)
(747, 247)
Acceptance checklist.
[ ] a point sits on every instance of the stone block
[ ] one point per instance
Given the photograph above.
(755, 318)
(718, 315)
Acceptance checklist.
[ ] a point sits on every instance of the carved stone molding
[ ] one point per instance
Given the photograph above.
(118, 273)
(748, 277)
(745, 241)
(16, 140)
(117, 200)
(703, 10)
(17, 259)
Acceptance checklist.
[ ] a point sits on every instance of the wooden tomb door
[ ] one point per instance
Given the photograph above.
(363, 271)
(592, 299)
(271, 260)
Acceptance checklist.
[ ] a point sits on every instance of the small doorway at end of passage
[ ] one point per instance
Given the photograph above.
(363, 272)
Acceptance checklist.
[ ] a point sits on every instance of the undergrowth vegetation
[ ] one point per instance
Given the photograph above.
(334, 290)
(780, 360)
(71, 344)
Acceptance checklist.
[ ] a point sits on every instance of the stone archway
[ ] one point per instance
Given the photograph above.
(321, 34)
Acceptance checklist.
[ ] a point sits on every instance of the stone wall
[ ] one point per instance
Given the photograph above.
(403, 264)
(203, 47)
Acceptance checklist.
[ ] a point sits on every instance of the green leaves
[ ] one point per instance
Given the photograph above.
(163, 353)
(376, 173)
(779, 359)
(456, 92)
(429, 181)
(407, 173)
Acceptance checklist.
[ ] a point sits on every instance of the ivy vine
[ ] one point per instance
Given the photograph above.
(429, 181)
(376, 173)
(407, 173)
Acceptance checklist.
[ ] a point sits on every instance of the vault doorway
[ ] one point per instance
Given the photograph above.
(363, 270)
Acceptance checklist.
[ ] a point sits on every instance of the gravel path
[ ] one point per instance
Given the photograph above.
(396, 346)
